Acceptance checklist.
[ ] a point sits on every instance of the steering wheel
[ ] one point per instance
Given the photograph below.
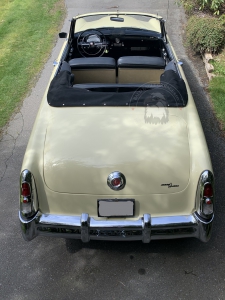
(91, 42)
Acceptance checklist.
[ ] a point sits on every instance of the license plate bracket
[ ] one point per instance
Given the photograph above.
(116, 207)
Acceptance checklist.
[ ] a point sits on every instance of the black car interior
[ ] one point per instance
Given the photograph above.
(111, 66)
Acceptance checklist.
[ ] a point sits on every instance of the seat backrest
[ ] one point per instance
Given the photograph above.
(140, 69)
(93, 69)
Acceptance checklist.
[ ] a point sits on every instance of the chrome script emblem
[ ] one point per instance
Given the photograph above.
(116, 181)
(170, 185)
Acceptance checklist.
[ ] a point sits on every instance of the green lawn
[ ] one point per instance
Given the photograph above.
(217, 93)
(217, 88)
(28, 30)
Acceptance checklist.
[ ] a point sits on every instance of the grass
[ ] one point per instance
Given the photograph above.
(217, 88)
(217, 92)
(219, 63)
(28, 31)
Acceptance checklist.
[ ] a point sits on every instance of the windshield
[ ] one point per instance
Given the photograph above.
(114, 20)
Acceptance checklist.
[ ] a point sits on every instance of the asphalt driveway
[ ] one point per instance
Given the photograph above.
(48, 268)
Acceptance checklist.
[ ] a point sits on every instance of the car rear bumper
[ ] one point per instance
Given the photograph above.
(145, 228)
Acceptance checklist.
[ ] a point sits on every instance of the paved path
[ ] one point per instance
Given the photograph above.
(48, 268)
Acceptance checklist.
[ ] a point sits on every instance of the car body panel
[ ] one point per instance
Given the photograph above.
(146, 149)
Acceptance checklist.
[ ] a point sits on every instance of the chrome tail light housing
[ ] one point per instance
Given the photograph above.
(28, 194)
(205, 196)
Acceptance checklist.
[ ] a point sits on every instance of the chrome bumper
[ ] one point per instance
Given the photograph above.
(87, 228)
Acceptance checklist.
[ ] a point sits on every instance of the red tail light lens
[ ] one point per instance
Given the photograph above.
(28, 194)
(208, 190)
(116, 181)
(205, 196)
(25, 189)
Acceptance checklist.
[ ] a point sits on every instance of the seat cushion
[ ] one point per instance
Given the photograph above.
(148, 62)
(93, 63)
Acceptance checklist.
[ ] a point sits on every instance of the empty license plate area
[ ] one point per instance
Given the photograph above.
(116, 207)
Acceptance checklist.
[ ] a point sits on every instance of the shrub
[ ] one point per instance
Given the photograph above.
(205, 34)
(214, 5)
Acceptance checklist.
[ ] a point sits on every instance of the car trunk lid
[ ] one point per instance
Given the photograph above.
(84, 145)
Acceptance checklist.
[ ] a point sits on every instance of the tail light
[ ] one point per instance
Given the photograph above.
(205, 198)
(28, 194)
(25, 191)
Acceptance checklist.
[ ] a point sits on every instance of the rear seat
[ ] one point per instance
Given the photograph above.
(93, 70)
(140, 69)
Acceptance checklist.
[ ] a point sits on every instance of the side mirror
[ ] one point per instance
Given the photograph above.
(63, 35)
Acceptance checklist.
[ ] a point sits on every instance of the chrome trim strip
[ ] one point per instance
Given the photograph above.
(107, 224)
(146, 231)
(173, 221)
(87, 228)
(206, 222)
(59, 220)
(85, 225)
(28, 227)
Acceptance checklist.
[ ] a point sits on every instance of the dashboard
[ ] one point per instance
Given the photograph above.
(115, 44)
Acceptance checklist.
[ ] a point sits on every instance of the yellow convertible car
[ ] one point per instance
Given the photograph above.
(117, 151)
